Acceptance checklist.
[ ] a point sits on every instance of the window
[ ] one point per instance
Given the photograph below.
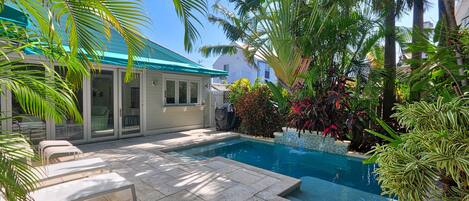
(181, 92)
(194, 92)
(135, 97)
(170, 92)
(267, 72)
(226, 67)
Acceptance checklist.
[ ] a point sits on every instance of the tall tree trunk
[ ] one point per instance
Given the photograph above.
(417, 34)
(453, 29)
(443, 41)
(389, 60)
(448, 32)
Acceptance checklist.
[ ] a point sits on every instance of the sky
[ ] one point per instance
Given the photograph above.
(167, 30)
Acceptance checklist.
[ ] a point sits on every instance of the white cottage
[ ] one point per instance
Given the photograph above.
(168, 93)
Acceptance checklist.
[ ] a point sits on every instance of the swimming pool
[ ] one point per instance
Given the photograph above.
(324, 176)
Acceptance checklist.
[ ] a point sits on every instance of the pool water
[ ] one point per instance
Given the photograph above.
(324, 176)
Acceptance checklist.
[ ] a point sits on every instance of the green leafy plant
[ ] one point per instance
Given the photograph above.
(17, 178)
(238, 89)
(431, 161)
(258, 115)
(280, 98)
(37, 95)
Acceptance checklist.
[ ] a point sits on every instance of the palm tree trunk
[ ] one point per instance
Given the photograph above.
(443, 41)
(453, 28)
(304, 66)
(417, 33)
(389, 60)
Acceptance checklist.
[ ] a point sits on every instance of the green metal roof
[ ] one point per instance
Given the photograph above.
(154, 56)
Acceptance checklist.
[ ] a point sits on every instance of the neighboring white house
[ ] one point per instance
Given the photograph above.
(168, 93)
(462, 12)
(238, 67)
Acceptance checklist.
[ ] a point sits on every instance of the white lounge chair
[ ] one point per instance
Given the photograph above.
(51, 152)
(94, 187)
(71, 170)
(52, 143)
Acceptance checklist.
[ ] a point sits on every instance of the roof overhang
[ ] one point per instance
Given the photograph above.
(161, 65)
(153, 64)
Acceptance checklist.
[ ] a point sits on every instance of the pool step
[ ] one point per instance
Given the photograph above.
(314, 189)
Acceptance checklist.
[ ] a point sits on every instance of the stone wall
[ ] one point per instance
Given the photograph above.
(310, 140)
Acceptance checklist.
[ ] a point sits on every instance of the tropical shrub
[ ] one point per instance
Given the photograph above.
(238, 89)
(281, 100)
(431, 161)
(37, 95)
(258, 115)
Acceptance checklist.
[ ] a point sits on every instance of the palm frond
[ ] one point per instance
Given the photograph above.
(218, 49)
(82, 21)
(17, 178)
(37, 93)
(232, 32)
(186, 10)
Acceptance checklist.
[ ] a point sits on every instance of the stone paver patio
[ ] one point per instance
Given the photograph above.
(161, 176)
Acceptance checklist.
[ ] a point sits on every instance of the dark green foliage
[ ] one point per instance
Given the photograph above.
(259, 117)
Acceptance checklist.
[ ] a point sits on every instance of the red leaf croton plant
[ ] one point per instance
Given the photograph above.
(328, 112)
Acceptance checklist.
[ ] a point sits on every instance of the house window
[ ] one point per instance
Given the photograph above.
(267, 73)
(226, 68)
(181, 92)
(170, 92)
(194, 92)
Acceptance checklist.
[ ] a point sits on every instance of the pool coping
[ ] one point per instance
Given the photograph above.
(192, 144)
(276, 191)
(234, 135)
(282, 188)
(271, 140)
(273, 191)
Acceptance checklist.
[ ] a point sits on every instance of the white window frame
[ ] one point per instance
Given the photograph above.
(188, 80)
(176, 91)
(189, 94)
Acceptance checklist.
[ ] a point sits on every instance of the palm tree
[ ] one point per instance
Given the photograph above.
(391, 9)
(266, 31)
(389, 96)
(450, 30)
(37, 95)
(417, 32)
(292, 36)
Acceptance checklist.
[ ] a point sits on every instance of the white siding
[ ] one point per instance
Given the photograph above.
(462, 13)
(161, 118)
(240, 68)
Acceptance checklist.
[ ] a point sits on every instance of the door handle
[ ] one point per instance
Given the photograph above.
(120, 112)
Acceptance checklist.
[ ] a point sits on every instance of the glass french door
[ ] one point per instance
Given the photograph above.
(130, 105)
(114, 105)
(103, 101)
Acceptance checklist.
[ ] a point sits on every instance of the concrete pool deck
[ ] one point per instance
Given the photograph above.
(161, 176)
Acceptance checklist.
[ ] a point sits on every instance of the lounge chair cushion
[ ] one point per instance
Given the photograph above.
(51, 152)
(87, 188)
(52, 143)
(71, 170)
